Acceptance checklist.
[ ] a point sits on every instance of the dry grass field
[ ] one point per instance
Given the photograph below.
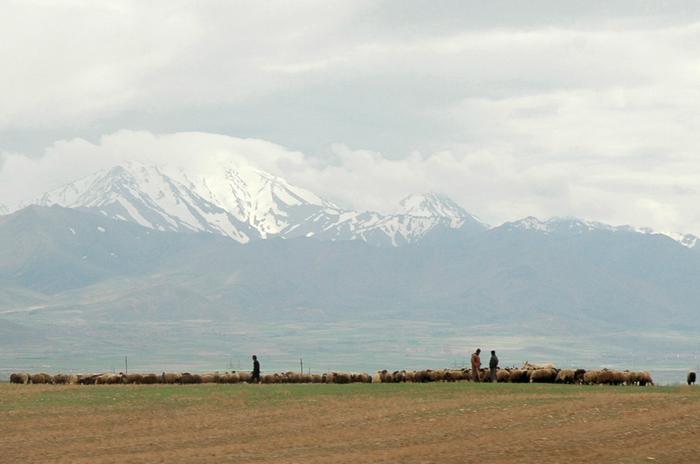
(361, 423)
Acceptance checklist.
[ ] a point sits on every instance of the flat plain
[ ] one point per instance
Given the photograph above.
(406, 423)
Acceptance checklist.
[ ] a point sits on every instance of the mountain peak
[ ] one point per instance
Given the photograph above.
(431, 204)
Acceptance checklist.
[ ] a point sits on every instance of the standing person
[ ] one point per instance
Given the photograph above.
(493, 366)
(256, 370)
(476, 364)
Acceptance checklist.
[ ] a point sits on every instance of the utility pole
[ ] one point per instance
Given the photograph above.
(301, 363)
(126, 365)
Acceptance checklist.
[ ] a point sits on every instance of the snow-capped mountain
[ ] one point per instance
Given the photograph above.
(578, 226)
(245, 203)
(267, 203)
(4, 209)
(557, 224)
(687, 240)
(145, 195)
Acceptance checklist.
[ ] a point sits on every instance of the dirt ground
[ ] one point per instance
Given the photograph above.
(408, 423)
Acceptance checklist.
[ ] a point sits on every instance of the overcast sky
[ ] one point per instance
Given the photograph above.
(588, 109)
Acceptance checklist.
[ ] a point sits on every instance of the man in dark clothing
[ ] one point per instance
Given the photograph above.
(256, 370)
(493, 366)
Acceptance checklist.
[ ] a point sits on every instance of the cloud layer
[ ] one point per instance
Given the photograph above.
(495, 185)
(547, 109)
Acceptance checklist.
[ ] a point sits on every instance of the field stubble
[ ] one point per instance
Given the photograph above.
(408, 423)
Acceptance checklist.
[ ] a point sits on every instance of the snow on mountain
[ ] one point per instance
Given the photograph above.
(418, 215)
(687, 240)
(4, 209)
(556, 224)
(431, 205)
(145, 195)
(268, 203)
(245, 203)
(577, 226)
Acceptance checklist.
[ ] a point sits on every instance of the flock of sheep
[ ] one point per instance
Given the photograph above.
(529, 373)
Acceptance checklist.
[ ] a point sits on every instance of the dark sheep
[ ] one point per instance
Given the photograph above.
(21, 378)
(519, 376)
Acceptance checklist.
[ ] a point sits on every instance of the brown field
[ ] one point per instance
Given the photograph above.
(402, 423)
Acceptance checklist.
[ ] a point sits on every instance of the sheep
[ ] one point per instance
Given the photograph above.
(421, 376)
(42, 378)
(548, 375)
(132, 378)
(565, 376)
(361, 378)
(170, 377)
(437, 376)
(316, 378)
(644, 379)
(502, 375)
(244, 377)
(530, 367)
(87, 379)
(341, 377)
(691, 378)
(150, 379)
(377, 378)
(590, 378)
(233, 377)
(186, 378)
(21, 378)
(210, 378)
(453, 375)
(619, 378)
(108, 379)
(519, 376)
(485, 375)
(60, 379)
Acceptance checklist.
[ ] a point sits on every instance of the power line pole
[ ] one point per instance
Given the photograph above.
(126, 365)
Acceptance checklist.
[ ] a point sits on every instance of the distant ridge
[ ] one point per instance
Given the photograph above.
(245, 204)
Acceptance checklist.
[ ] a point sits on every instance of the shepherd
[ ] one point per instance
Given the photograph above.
(476, 364)
(493, 366)
(255, 376)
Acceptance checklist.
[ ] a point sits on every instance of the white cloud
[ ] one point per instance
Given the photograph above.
(545, 109)
(495, 185)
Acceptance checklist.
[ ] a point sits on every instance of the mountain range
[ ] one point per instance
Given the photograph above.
(140, 248)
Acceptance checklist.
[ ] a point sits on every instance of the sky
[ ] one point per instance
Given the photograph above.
(543, 108)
